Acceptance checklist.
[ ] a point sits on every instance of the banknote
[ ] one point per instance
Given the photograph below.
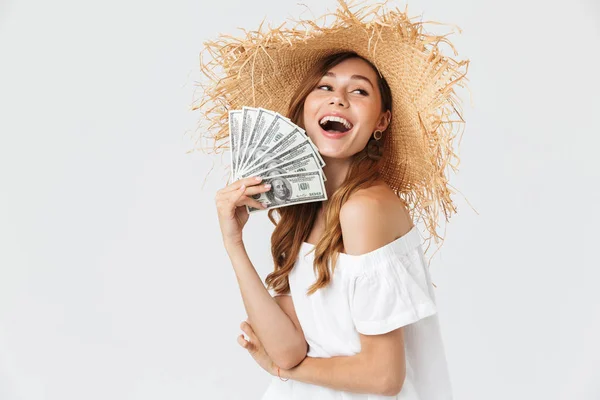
(249, 115)
(267, 144)
(263, 121)
(293, 139)
(308, 162)
(302, 149)
(235, 125)
(316, 151)
(290, 189)
(280, 127)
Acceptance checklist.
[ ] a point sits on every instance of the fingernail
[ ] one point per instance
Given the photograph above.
(258, 178)
(242, 187)
(268, 186)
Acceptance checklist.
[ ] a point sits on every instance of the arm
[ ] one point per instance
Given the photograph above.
(380, 366)
(377, 369)
(286, 303)
(281, 338)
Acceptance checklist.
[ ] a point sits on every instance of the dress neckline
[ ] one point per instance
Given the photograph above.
(405, 242)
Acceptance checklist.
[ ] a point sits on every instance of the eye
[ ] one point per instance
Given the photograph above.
(363, 92)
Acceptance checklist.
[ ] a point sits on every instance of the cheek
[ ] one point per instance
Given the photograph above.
(309, 115)
(364, 139)
(310, 106)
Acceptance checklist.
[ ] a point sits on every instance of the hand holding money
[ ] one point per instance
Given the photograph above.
(230, 202)
(267, 144)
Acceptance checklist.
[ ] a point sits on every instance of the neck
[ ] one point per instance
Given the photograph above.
(335, 170)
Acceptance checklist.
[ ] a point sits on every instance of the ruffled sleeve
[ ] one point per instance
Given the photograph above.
(390, 290)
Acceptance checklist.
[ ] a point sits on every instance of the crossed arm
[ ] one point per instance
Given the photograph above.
(276, 327)
(379, 368)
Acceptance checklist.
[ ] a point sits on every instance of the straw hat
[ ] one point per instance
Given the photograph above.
(263, 68)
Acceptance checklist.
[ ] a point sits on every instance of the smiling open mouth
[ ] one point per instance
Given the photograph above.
(335, 125)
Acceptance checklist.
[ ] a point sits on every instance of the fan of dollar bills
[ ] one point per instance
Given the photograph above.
(267, 144)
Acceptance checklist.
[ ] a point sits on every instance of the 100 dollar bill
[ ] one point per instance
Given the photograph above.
(280, 127)
(290, 189)
(307, 162)
(300, 150)
(291, 140)
(248, 118)
(264, 119)
(235, 129)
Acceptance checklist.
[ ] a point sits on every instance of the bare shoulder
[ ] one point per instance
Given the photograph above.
(372, 218)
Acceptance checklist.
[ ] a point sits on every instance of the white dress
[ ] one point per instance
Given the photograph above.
(372, 293)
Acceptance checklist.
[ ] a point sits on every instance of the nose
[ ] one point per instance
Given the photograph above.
(337, 100)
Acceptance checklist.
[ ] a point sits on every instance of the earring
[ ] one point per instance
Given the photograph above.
(375, 146)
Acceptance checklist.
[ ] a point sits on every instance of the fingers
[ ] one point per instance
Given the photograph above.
(250, 181)
(247, 344)
(250, 202)
(243, 342)
(252, 190)
(251, 347)
(243, 199)
(227, 201)
(245, 326)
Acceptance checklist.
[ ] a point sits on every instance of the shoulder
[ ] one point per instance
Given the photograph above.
(371, 218)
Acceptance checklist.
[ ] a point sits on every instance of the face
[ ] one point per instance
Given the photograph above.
(349, 91)
(279, 189)
(272, 164)
(275, 172)
(258, 153)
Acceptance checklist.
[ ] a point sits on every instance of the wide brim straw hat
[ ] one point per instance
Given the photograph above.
(263, 68)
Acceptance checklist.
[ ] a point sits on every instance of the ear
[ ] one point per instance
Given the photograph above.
(384, 121)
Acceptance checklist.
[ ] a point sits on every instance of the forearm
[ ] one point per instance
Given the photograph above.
(346, 373)
(272, 325)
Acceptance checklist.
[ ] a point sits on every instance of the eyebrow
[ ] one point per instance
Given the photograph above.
(359, 77)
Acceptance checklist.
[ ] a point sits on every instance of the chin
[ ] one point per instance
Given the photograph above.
(334, 152)
(333, 148)
(328, 147)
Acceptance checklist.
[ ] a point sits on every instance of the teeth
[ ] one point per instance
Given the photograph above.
(344, 121)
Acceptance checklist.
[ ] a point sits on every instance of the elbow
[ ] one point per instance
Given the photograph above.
(290, 363)
(392, 384)
(293, 356)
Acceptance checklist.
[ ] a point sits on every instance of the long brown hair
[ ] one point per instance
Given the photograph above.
(295, 222)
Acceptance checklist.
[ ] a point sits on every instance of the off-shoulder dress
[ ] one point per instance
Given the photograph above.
(372, 293)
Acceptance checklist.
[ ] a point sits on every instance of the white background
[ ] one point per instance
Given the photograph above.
(113, 280)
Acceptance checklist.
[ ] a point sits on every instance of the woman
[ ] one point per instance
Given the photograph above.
(363, 215)
(351, 313)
